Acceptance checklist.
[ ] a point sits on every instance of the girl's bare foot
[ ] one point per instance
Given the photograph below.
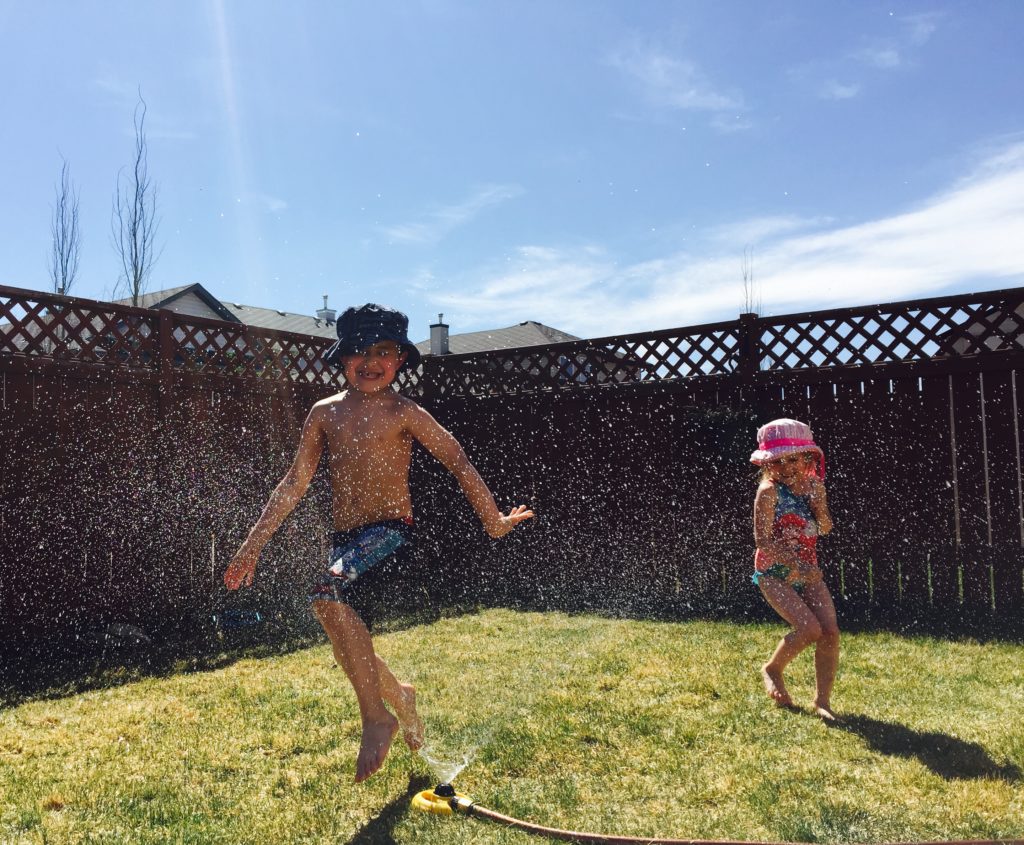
(774, 686)
(374, 747)
(824, 710)
(409, 718)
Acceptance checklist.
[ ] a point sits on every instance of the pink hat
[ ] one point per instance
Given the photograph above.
(784, 437)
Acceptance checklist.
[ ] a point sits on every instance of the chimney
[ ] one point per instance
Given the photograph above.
(439, 337)
(326, 314)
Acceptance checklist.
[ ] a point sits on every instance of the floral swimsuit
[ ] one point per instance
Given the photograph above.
(796, 526)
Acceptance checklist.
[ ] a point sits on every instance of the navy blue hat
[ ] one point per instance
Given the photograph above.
(369, 324)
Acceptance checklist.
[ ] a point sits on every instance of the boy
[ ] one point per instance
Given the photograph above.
(368, 432)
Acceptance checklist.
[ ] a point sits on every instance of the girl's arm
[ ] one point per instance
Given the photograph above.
(819, 506)
(281, 503)
(442, 445)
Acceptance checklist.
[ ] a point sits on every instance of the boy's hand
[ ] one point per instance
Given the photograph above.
(507, 523)
(241, 570)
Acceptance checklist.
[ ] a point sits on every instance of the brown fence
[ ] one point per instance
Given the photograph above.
(916, 404)
(137, 446)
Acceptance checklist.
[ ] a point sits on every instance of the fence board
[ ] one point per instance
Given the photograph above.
(919, 474)
(1004, 485)
(972, 491)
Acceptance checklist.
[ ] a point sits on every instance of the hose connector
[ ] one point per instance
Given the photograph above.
(442, 800)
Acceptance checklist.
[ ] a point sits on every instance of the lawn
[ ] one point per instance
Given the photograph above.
(618, 726)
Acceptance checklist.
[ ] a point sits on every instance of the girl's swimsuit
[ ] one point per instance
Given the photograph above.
(796, 526)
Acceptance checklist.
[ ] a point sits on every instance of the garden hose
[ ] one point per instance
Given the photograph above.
(444, 800)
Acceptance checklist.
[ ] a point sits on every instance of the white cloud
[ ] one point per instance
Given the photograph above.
(920, 27)
(899, 50)
(971, 234)
(270, 204)
(831, 89)
(757, 230)
(884, 57)
(437, 223)
(677, 84)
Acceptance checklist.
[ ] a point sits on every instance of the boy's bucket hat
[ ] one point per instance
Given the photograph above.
(784, 437)
(368, 324)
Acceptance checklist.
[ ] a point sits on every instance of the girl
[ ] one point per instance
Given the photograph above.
(790, 511)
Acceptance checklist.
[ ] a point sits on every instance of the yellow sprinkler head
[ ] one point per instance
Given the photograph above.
(439, 800)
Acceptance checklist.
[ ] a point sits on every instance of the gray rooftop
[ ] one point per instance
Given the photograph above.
(529, 333)
(250, 315)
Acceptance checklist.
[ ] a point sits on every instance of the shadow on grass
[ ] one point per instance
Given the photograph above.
(59, 668)
(947, 756)
(380, 830)
(56, 670)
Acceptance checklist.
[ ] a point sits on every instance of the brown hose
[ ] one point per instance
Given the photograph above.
(469, 808)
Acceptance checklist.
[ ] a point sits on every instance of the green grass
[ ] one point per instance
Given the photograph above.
(623, 727)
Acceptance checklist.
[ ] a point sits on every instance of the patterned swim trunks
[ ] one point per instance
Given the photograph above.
(360, 560)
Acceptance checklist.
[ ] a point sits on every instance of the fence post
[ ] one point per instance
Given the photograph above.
(166, 360)
(748, 351)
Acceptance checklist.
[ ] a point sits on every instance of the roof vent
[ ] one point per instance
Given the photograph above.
(328, 315)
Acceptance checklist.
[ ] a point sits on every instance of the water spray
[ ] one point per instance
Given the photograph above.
(443, 800)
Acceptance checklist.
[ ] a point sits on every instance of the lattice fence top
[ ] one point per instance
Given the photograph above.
(40, 325)
(900, 333)
(35, 325)
(891, 334)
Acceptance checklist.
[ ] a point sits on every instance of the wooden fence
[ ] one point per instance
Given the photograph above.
(137, 447)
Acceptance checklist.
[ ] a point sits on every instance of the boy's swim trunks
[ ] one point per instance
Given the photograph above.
(360, 560)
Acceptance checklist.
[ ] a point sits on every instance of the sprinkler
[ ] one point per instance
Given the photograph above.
(443, 800)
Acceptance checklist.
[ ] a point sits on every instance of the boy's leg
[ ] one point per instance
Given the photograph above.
(826, 651)
(353, 649)
(806, 629)
(402, 698)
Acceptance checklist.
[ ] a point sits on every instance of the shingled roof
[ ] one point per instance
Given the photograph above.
(529, 333)
(178, 299)
(196, 300)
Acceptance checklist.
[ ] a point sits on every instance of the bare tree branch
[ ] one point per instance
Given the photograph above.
(751, 290)
(67, 243)
(133, 220)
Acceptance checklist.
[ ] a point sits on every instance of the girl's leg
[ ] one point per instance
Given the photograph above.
(826, 651)
(353, 650)
(806, 630)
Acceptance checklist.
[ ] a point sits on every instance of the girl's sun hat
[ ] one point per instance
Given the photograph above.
(785, 437)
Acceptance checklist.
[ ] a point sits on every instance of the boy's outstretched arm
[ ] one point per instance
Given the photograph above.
(442, 445)
(284, 498)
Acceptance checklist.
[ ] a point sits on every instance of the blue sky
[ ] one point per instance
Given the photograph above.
(599, 166)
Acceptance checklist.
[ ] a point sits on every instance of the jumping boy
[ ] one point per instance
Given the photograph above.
(368, 432)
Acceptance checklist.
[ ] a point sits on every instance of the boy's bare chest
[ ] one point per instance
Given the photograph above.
(363, 435)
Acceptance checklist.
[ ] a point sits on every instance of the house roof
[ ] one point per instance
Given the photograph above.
(529, 333)
(197, 300)
(236, 312)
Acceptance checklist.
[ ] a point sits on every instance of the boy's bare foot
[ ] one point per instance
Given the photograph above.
(774, 686)
(409, 718)
(374, 747)
(824, 710)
